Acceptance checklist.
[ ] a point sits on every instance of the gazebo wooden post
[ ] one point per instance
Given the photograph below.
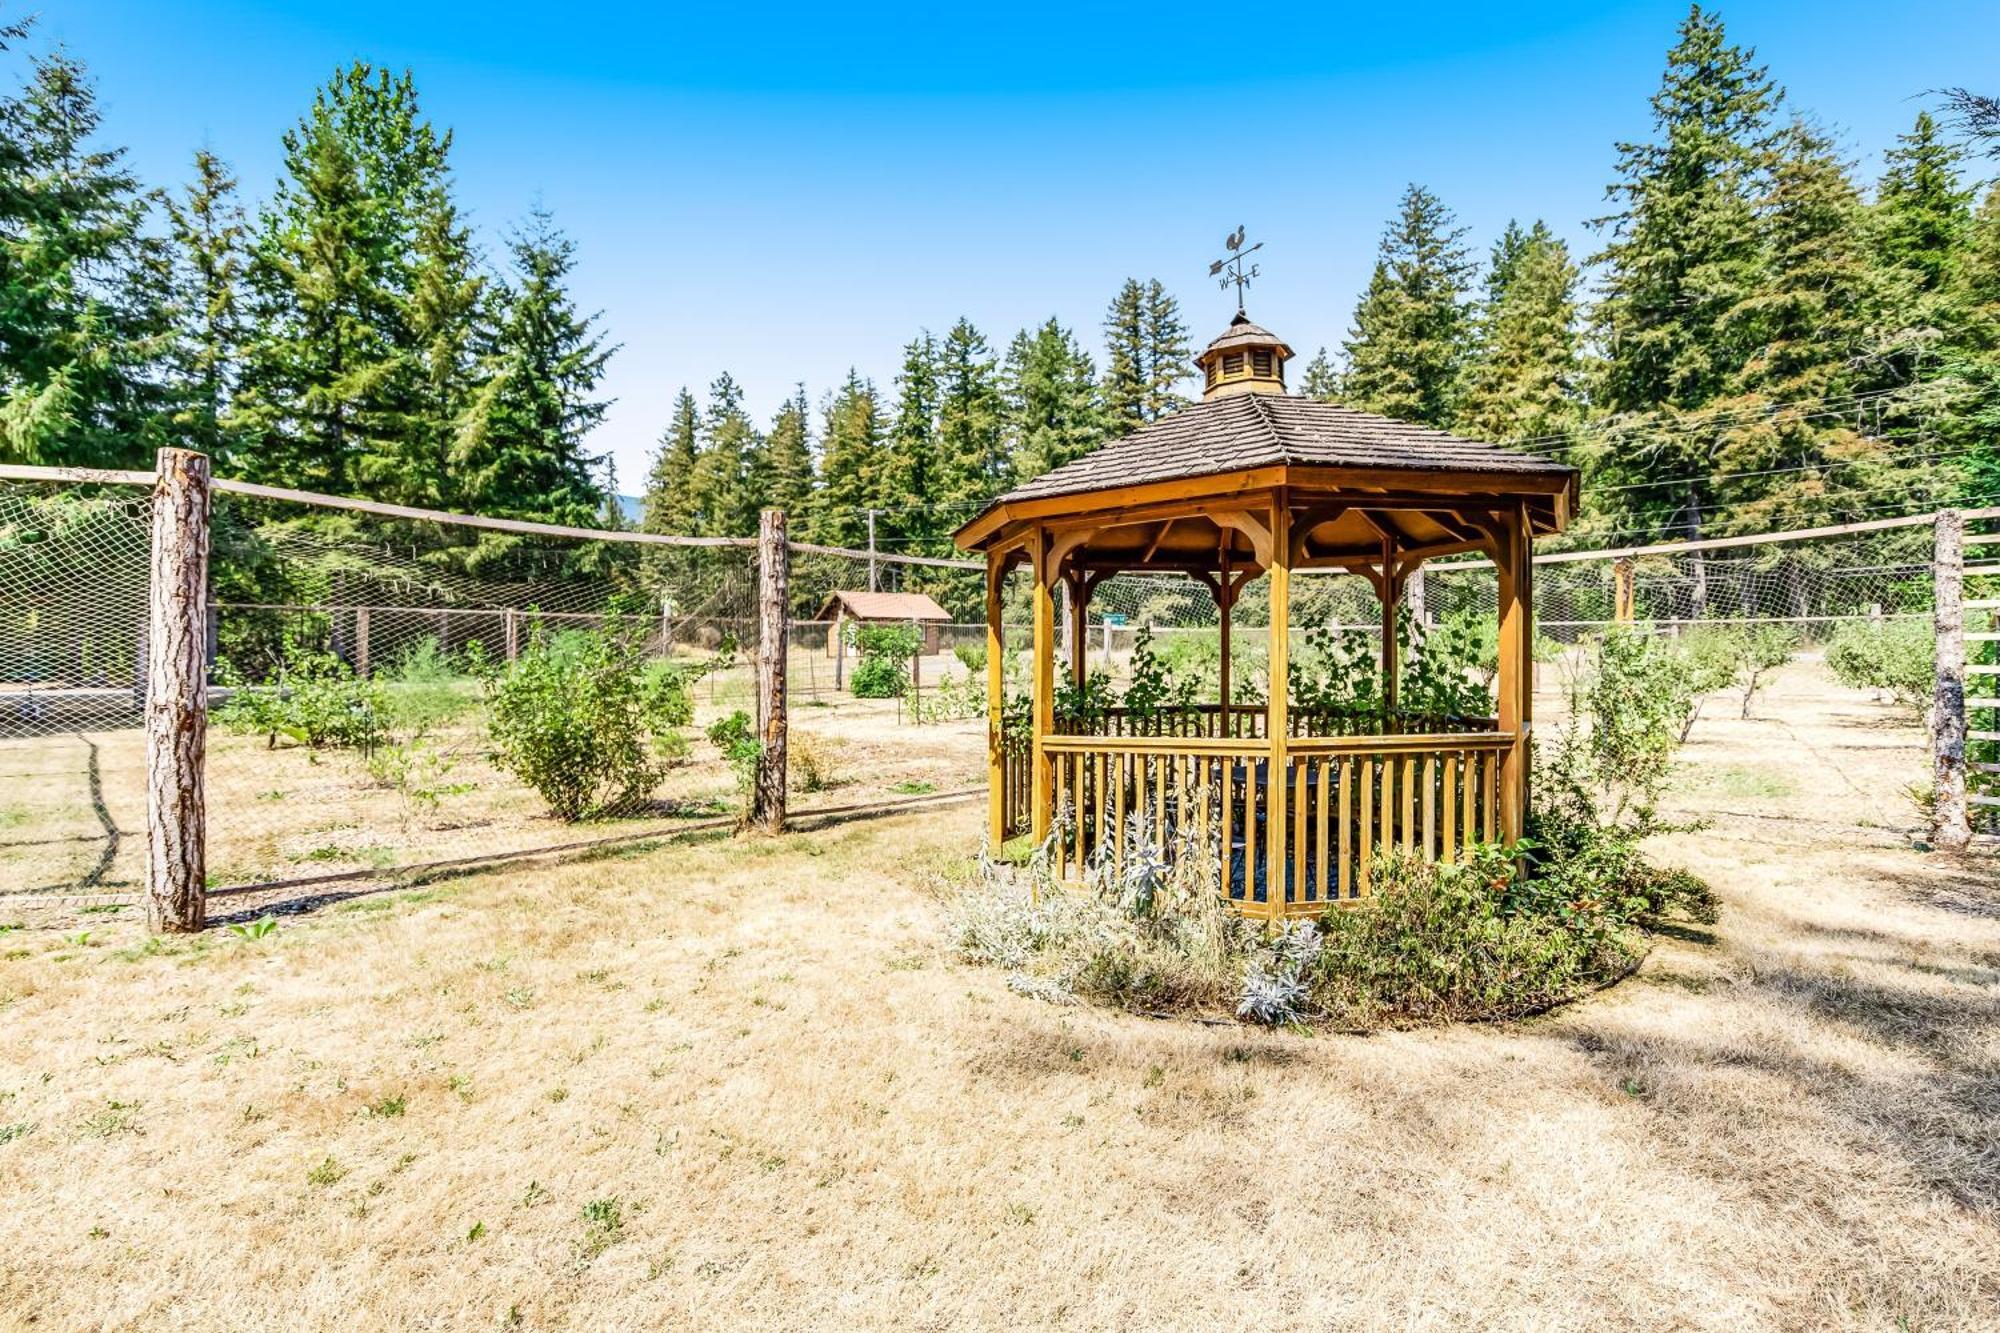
(996, 686)
(1515, 568)
(1277, 864)
(1224, 599)
(1391, 596)
(1079, 603)
(1044, 682)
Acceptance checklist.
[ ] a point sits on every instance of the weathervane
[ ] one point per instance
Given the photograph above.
(1231, 270)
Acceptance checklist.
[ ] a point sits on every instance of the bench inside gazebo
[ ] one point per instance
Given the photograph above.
(1253, 483)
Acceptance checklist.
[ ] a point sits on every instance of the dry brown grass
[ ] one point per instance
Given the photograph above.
(810, 1117)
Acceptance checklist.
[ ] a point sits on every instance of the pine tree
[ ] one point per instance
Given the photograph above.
(524, 455)
(1320, 381)
(788, 455)
(1146, 355)
(329, 376)
(1050, 392)
(853, 462)
(1684, 252)
(205, 232)
(1412, 331)
(669, 506)
(974, 464)
(1810, 321)
(82, 288)
(1523, 381)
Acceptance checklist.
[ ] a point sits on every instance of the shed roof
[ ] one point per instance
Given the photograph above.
(882, 606)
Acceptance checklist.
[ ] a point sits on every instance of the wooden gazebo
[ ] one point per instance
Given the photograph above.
(1251, 482)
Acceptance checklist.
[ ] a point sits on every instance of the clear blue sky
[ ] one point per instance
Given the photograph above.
(783, 193)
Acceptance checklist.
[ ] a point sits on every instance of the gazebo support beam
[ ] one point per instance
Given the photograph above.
(1513, 561)
(1225, 599)
(1277, 790)
(996, 686)
(1044, 619)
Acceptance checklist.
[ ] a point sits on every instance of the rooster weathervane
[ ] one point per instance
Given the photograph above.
(1230, 271)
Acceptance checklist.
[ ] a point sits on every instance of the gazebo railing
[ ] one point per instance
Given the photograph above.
(1250, 722)
(1351, 799)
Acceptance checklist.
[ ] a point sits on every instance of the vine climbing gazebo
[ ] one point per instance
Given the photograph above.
(1250, 483)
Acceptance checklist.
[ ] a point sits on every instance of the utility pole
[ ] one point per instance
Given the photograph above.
(872, 584)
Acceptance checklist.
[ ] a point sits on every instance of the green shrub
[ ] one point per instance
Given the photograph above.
(1896, 657)
(971, 656)
(574, 717)
(879, 678)
(1443, 943)
(736, 737)
(316, 700)
(884, 669)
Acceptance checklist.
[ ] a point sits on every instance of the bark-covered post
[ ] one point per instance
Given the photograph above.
(1951, 825)
(767, 797)
(177, 695)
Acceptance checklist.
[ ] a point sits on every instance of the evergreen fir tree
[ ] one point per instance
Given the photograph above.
(449, 403)
(972, 441)
(1972, 357)
(1412, 331)
(1146, 355)
(1684, 252)
(914, 472)
(1506, 258)
(1923, 207)
(725, 501)
(1320, 381)
(329, 375)
(82, 288)
(524, 456)
(1050, 391)
(1523, 382)
(1810, 322)
(789, 461)
(205, 232)
(853, 463)
(669, 506)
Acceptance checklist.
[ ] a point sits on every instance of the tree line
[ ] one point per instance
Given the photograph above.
(346, 335)
(1759, 340)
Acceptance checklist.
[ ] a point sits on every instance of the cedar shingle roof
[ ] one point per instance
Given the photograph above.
(884, 606)
(1268, 430)
(1242, 333)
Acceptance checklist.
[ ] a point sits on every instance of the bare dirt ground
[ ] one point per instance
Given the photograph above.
(742, 1084)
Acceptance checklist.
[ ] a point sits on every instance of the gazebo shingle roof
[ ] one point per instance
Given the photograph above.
(1269, 430)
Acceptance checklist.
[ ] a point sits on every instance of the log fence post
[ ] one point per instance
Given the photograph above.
(1951, 821)
(767, 797)
(177, 695)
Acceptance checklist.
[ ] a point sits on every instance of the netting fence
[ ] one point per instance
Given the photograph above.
(384, 634)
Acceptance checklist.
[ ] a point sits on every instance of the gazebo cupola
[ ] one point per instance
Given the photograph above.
(1243, 358)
